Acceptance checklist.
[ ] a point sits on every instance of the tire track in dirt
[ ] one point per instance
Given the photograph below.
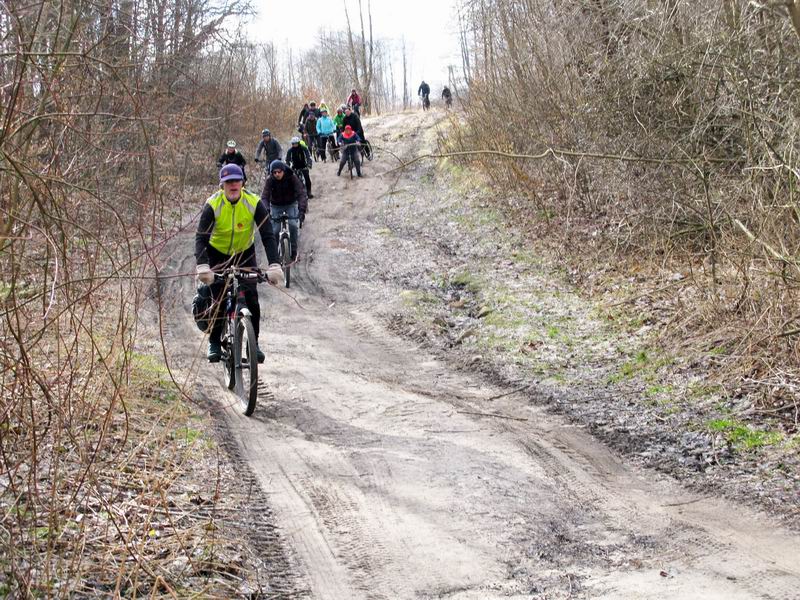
(185, 358)
(384, 486)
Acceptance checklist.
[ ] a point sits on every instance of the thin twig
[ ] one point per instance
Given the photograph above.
(524, 387)
(483, 414)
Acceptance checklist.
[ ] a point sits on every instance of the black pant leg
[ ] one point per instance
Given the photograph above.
(218, 312)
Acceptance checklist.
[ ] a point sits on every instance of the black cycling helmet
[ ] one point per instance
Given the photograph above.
(265, 132)
(277, 165)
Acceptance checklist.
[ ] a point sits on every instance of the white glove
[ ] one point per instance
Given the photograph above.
(205, 274)
(275, 274)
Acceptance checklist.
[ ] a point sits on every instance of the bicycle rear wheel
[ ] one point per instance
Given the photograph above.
(286, 258)
(245, 361)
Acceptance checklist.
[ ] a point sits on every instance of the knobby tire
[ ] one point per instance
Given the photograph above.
(245, 361)
(286, 258)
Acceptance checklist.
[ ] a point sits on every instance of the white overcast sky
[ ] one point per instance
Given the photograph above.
(429, 27)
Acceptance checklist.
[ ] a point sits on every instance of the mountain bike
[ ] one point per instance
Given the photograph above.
(366, 150)
(426, 102)
(316, 151)
(239, 345)
(285, 247)
(329, 141)
(351, 165)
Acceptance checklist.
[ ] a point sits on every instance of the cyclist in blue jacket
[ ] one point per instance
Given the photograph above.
(326, 129)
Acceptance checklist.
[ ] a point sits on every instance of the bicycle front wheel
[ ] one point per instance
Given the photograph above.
(286, 258)
(245, 361)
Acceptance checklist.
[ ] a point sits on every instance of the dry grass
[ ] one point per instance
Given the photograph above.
(674, 132)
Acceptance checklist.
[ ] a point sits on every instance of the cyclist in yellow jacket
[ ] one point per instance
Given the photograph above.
(226, 236)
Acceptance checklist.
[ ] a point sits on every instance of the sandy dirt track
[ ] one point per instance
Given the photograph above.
(391, 475)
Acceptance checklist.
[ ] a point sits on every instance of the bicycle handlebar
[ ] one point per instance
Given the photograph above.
(241, 273)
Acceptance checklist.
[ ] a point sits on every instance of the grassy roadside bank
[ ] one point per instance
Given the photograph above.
(467, 278)
(127, 495)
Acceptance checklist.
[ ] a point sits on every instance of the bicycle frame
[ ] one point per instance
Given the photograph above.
(283, 233)
(239, 344)
(235, 304)
(284, 246)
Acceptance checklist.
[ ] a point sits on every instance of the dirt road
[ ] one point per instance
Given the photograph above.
(391, 475)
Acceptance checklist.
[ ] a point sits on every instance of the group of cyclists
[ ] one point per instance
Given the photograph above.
(424, 92)
(332, 136)
(231, 217)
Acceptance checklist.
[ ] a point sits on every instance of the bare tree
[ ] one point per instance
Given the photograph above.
(681, 132)
(405, 76)
(361, 57)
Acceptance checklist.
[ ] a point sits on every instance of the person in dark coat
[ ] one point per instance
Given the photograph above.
(232, 156)
(299, 160)
(424, 92)
(284, 193)
(424, 89)
(311, 130)
(303, 112)
(352, 119)
(447, 96)
(270, 146)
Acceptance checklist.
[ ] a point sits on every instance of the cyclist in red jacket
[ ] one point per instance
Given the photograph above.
(354, 100)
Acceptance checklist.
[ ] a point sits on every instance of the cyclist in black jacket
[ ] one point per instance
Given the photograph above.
(232, 156)
(225, 236)
(352, 119)
(284, 192)
(424, 90)
(270, 146)
(299, 159)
